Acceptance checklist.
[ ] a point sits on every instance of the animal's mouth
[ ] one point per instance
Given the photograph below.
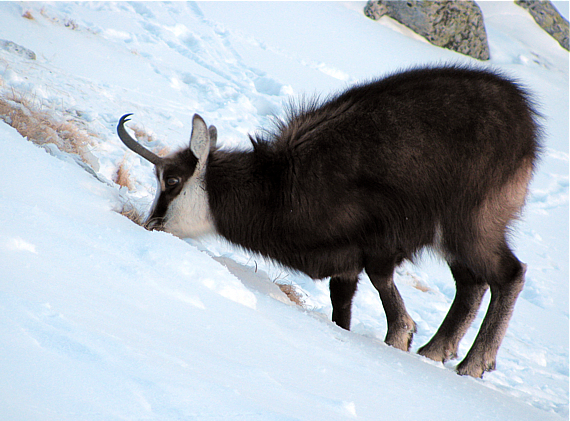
(154, 224)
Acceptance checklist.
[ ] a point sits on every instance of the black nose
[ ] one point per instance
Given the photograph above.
(154, 224)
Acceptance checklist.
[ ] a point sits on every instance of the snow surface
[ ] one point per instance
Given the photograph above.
(102, 320)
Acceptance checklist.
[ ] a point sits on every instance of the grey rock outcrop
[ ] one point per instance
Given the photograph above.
(548, 18)
(455, 25)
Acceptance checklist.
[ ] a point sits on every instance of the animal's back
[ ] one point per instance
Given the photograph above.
(418, 121)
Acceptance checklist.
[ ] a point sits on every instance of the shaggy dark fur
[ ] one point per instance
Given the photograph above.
(431, 157)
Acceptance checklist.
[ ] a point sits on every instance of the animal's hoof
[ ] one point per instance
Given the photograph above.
(401, 337)
(470, 368)
(437, 352)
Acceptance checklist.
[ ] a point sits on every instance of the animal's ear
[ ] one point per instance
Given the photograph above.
(200, 139)
(213, 137)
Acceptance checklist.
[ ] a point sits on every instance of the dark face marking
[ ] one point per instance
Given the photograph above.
(171, 176)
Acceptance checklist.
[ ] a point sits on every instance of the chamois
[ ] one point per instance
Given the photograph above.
(437, 157)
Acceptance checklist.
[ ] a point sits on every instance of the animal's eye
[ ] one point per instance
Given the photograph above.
(172, 181)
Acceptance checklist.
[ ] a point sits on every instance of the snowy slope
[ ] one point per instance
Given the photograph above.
(101, 319)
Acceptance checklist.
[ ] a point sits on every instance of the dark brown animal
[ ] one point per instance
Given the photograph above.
(431, 157)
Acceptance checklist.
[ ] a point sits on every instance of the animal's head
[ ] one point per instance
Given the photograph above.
(181, 204)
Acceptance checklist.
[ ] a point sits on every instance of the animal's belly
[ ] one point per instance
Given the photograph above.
(323, 262)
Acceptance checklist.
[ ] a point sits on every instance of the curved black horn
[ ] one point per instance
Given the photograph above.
(133, 145)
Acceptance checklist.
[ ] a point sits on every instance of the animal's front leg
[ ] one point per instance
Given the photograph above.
(342, 289)
(401, 327)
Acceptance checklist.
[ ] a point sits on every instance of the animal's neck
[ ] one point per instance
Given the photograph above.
(241, 196)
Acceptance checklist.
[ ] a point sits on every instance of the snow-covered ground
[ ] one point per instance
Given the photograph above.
(102, 320)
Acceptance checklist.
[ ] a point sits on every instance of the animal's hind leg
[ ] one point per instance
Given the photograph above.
(401, 327)
(506, 283)
(470, 290)
(342, 289)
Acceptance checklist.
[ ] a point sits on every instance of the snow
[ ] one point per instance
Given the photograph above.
(101, 319)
